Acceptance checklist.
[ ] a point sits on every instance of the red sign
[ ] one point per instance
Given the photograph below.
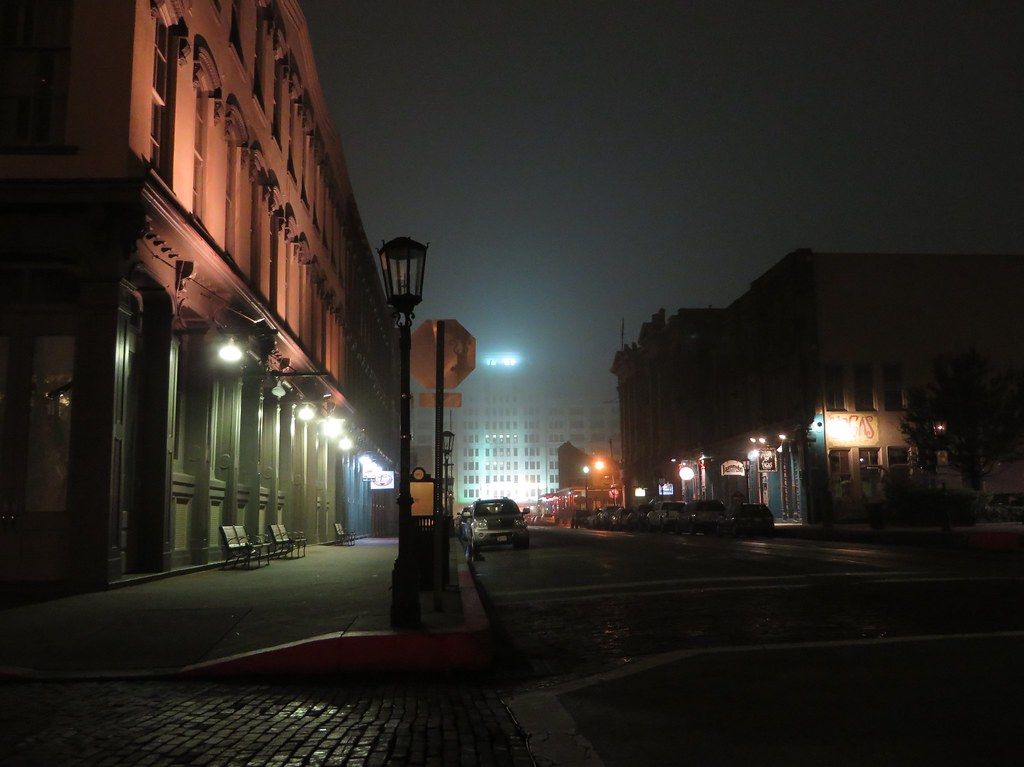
(459, 354)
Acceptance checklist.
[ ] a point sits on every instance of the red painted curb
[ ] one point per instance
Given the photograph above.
(465, 647)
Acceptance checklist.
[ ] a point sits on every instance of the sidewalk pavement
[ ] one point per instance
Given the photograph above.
(326, 612)
(1001, 536)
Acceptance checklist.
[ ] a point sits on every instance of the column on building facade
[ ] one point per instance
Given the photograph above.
(269, 460)
(251, 513)
(193, 457)
(95, 526)
(152, 529)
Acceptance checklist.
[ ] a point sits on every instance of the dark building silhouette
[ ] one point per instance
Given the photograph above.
(814, 360)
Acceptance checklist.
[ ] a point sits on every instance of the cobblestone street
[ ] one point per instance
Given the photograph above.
(304, 723)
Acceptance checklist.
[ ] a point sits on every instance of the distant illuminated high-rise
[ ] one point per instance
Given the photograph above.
(508, 431)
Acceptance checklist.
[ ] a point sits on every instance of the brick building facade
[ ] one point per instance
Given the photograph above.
(171, 185)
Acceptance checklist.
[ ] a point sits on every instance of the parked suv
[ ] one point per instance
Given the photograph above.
(665, 515)
(747, 519)
(497, 521)
(702, 517)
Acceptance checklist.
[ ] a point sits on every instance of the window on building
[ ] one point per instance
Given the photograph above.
(235, 34)
(199, 150)
(230, 198)
(892, 386)
(868, 456)
(835, 390)
(280, 88)
(259, 56)
(35, 51)
(898, 456)
(839, 473)
(161, 129)
(863, 388)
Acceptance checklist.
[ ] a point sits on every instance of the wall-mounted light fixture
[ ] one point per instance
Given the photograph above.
(229, 351)
(305, 412)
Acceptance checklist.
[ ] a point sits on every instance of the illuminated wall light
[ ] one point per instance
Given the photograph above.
(332, 427)
(753, 455)
(229, 351)
(345, 443)
(305, 412)
(685, 473)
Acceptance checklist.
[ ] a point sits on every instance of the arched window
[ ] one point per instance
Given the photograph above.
(259, 221)
(206, 79)
(236, 137)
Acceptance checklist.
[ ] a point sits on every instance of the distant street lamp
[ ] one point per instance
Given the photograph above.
(403, 262)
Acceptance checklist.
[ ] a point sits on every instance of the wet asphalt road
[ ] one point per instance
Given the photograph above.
(757, 651)
(579, 601)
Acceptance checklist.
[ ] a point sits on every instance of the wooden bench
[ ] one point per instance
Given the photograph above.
(286, 543)
(342, 536)
(239, 548)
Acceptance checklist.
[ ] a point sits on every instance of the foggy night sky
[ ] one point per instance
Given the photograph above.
(574, 164)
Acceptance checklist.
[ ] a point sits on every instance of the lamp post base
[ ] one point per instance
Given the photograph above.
(405, 598)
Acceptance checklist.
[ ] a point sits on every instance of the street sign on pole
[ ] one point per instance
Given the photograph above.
(459, 354)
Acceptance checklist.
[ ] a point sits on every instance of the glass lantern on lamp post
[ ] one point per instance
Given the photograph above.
(403, 261)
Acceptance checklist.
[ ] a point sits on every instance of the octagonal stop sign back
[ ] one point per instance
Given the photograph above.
(459, 354)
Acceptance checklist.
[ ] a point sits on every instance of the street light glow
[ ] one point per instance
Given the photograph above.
(229, 351)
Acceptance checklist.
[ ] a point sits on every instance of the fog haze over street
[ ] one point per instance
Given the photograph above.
(575, 165)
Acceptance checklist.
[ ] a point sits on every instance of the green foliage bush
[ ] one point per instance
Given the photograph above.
(930, 506)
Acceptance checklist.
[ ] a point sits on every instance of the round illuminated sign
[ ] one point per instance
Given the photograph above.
(685, 473)
(419, 473)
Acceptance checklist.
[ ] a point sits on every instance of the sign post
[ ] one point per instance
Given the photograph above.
(443, 354)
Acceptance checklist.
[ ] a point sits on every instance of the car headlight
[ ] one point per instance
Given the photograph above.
(481, 524)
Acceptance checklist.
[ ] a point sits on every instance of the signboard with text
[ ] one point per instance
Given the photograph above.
(852, 429)
(666, 489)
(767, 461)
(733, 469)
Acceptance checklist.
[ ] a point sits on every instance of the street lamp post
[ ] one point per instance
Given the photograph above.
(402, 262)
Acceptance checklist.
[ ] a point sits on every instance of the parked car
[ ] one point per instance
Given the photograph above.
(497, 521)
(702, 517)
(642, 513)
(588, 519)
(747, 519)
(664, 515)
(609, 518)
(629, 519)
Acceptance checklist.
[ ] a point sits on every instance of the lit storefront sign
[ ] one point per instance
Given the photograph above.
(733, 469)
(666, 489)
(640, 492)
(385, 480)
(766, 461)
(853, 429)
